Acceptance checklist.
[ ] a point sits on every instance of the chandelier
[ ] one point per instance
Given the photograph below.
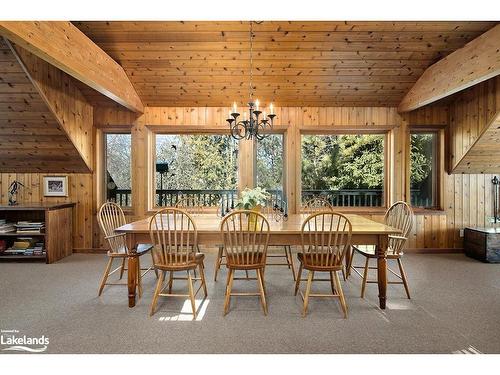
(253, 124)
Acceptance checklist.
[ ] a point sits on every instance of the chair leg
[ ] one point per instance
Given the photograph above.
(123, 267)
(403, 276)
(191, 294)
(344, 276)
(341, 294)
(297, 279)
(217, 262)
(349, 266)
(203, 281)
(286, 256)
(332, 283)
(156, 293)
(153, 263)
(262, 274)
(308, 291)
(105, 276)
(229, 286)
(139, 277)
(365, 278)
(292, 266)
(262, 292)
(170, 281)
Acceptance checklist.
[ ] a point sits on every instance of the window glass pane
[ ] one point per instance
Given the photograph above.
(347, 170)
(118, 168)
(270, 164)
(201, 166)
(423, 169)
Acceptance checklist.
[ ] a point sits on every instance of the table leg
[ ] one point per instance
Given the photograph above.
(382, 270)
(348, 260)
(132, 271)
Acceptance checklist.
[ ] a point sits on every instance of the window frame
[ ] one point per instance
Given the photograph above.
(101, 164)
(438, 170)
(386, 194)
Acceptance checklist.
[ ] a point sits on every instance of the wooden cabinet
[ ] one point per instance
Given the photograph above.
(57, 236)
(482, 244)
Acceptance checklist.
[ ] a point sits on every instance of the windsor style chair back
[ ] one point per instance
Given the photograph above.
(326, 239)
(245, 235)
(110, 216)
(175, 243)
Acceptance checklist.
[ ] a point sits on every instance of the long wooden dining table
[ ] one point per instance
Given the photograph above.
(283, 232)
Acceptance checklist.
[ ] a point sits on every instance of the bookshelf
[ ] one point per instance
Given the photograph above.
(56, 237)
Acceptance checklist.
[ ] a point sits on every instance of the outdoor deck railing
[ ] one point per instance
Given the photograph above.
(211, 198)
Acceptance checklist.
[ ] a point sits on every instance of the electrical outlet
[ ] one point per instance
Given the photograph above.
(461, 232)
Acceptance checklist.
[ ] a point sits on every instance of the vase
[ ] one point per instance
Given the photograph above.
(252, 218)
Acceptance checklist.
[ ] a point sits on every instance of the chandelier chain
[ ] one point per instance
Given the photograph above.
(255, 126)
(251, 60)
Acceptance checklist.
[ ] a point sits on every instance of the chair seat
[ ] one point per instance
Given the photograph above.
(316, 262)
(182, 262)
(370, 251)
(142, 248)
(240, 263)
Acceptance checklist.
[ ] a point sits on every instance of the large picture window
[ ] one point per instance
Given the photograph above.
(346, 170)
(423, 173)
(118, 154)
(202, 167)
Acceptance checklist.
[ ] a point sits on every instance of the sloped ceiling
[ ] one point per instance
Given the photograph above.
(31, 139)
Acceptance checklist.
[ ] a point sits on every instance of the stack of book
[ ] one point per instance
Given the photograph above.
(30, 227)
(6, 227)
(26, 246)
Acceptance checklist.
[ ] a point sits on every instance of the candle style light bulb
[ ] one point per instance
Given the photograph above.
(234, 107)
(257, 105)
(271, 108)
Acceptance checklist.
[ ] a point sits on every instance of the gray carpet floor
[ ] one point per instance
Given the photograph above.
(455, 306)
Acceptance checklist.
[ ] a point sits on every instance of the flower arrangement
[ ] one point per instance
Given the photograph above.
(252, 199)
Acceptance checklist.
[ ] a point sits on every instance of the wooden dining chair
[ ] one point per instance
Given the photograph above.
(192, 205)
(269, 211)
(110, 217)
(175, 239)
(245, 236)
(400, 216)
(317, 203)
(325, 238)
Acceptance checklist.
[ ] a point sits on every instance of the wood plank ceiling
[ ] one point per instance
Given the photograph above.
(295, 63)
(31, 139)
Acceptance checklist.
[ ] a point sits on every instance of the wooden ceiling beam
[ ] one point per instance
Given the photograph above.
(476, 62)
(99, 27)
(63, 45)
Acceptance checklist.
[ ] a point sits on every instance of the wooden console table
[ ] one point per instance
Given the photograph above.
(58, 233)
(483, 244)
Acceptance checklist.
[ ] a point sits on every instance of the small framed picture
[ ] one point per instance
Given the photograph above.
(55, 186)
